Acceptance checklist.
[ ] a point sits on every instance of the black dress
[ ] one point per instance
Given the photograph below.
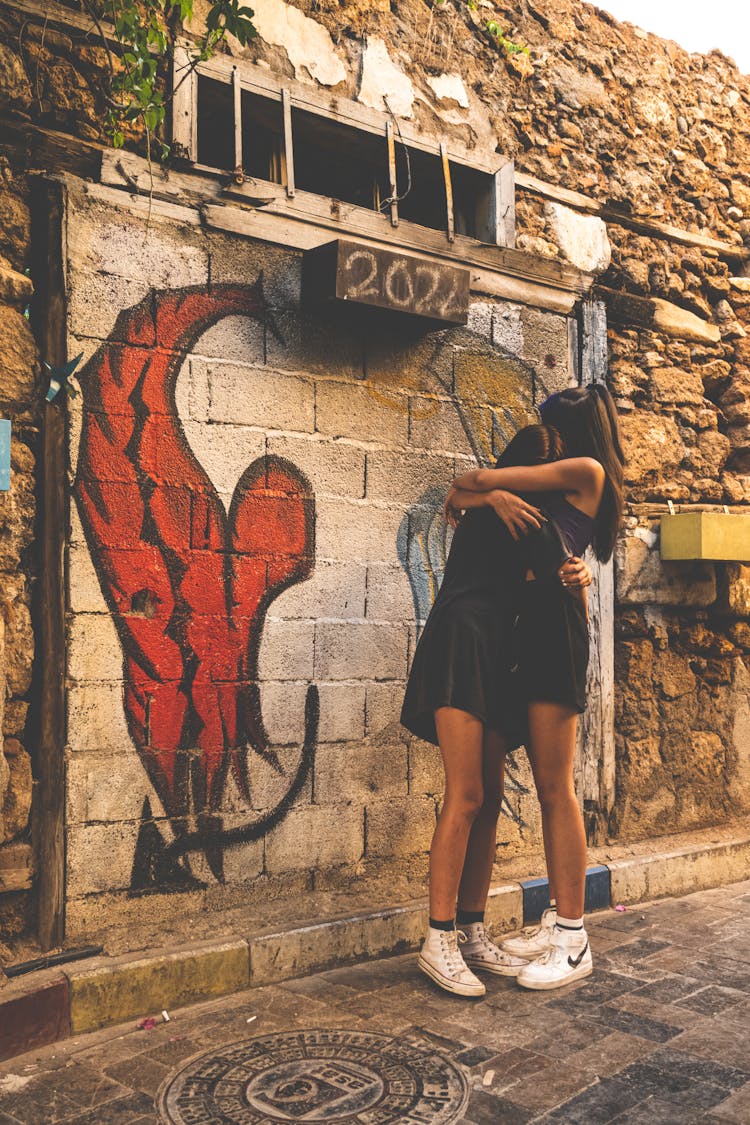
(493, 641)
(552, 646)
(551, 627)
(466, 651)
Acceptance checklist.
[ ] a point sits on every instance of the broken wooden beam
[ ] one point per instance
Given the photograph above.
(642, 224)
(658, 315)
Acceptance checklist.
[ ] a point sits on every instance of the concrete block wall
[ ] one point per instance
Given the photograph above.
(370, 421)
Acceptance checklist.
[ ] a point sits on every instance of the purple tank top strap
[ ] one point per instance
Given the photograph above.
(575, 526)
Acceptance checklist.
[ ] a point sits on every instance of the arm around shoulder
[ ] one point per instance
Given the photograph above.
(574, 474)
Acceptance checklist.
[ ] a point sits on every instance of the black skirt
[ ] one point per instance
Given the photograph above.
(463, 660)
(551, 645)
(494, 642)
(464, 655)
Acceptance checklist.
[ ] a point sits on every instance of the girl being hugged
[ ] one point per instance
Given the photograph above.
(502, 660)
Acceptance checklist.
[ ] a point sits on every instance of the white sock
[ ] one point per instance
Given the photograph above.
(569, 923)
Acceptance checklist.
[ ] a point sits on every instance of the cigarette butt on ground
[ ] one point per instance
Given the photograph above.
(488, 1077)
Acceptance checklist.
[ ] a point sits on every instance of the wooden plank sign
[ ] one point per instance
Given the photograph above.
(369, 275)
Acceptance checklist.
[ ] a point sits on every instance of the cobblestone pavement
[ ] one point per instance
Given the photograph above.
(659, 1034)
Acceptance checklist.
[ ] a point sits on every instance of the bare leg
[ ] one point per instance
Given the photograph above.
(552, 730)
(480, 852)
(460, 736)
(547, 849)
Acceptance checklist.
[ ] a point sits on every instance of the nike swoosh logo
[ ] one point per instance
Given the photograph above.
(574, 962)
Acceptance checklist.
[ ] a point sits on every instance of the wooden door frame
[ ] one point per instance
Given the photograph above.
(48, 211)
(595, 753)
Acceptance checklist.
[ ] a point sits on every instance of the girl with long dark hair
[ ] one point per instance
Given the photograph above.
(461, 674)
(500, 613)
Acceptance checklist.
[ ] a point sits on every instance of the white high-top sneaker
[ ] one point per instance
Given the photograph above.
(567, 959)
(480, 952)
(533, 941)
(440, 958)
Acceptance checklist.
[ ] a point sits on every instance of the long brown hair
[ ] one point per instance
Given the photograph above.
(533, 445)
(586, 420)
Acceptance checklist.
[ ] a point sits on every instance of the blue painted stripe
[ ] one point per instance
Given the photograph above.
(535, 899)
(536, 893)
(4, 455)
(597, 888)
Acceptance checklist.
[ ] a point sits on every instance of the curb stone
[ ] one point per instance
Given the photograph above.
(126, 986)
(102, 991)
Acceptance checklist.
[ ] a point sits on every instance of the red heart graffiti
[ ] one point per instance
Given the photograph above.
(188, 585)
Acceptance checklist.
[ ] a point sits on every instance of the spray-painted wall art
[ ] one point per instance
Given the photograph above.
(188, 584)
(256, 540)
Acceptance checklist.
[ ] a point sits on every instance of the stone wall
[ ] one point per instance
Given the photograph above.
(19, 401)
(652, 136)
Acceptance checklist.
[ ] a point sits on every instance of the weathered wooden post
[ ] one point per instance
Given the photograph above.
(595, 757)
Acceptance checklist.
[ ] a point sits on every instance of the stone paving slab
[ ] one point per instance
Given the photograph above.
(658, 1035)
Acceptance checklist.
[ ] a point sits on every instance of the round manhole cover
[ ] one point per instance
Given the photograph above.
(321, 1075)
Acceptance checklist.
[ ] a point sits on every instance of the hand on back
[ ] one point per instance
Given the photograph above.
(518, 516)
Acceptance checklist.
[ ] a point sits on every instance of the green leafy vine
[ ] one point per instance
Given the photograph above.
(501, 39)
(146, 32)
(492, 27)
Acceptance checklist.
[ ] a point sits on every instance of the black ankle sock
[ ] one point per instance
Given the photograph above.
(467, 917)
(449, 925)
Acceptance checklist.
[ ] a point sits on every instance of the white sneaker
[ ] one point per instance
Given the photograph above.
(480, 952)
(534, 940)
(440, 958)
(567, 959)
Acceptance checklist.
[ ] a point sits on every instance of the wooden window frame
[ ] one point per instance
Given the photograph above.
(239, 75)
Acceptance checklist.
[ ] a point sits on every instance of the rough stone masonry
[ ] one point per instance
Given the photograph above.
(658, 142)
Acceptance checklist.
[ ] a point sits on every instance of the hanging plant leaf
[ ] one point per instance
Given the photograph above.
(147, 31)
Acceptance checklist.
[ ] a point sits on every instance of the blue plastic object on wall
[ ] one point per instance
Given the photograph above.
(536, 893)
(4, 454)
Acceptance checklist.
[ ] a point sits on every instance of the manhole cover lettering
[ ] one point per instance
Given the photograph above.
(350, 1077)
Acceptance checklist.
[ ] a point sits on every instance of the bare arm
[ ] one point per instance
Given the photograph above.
(463, 498)
(574, 573)
(517, 515)
(582, 595)
(574, 474)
